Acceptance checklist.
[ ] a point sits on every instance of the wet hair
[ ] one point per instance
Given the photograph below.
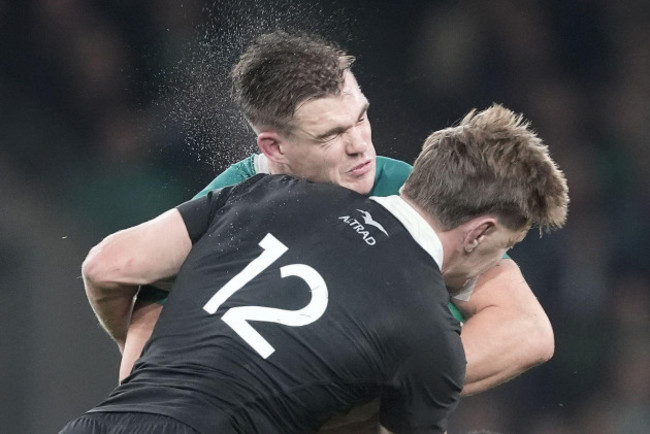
(490, 163)
(278, 71)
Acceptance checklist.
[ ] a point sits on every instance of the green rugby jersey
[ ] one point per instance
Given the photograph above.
(389, 176)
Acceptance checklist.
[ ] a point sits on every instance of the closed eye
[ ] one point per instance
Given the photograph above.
(332, 134)
(328, 138)
(364, 113)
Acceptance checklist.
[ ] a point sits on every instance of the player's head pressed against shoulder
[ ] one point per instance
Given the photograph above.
(491, 178)
(307, 110)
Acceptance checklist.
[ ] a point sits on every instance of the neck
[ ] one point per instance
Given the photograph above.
(275, 168)
(451, 239)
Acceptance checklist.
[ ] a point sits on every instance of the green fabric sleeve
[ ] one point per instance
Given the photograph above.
(235, 174)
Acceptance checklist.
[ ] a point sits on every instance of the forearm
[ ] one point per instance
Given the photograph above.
(112, 305)
(511, 347)
(507, 331)
(143, 320)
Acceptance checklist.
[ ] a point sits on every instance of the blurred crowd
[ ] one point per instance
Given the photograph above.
(113, 111)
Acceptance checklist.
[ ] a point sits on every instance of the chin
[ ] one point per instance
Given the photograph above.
(361, 187)
(364, 186)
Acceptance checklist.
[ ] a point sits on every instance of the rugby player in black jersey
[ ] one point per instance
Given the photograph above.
(295, 301)
(311, 121)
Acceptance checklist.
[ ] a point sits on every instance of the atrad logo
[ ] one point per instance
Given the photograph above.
(361, 229)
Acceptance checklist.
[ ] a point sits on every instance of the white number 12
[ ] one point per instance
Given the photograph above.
(237, 317)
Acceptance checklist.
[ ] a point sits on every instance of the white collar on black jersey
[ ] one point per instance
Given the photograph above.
(261, 163)
(422, 233)
(417, 226)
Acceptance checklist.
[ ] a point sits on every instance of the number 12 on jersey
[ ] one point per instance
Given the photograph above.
(237, 317)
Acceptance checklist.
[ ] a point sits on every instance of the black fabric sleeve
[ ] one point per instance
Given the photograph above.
(198, 213)
(151, 294)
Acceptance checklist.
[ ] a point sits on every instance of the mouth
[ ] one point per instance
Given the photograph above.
(361, 169)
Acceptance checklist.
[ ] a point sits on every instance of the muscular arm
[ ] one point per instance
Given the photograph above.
(136, 256)
(507, 332)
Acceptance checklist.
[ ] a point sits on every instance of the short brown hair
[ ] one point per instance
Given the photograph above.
(491, 163)
(280, 70)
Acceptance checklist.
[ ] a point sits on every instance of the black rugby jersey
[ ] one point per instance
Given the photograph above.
(297, 302)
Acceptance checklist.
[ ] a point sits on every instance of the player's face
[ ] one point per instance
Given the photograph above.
(485, 256)
(331, 140)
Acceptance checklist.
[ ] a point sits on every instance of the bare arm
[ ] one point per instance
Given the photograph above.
(140, 255)
(144, 318)
(507, 332)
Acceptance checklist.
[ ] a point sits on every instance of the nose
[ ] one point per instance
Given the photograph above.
(357, 142)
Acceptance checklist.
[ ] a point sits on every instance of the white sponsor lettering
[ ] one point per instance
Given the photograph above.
(360, 229)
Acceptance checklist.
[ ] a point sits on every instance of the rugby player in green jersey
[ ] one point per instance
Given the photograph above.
(310, 116)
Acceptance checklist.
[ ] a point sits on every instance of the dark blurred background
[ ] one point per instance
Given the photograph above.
(112, 111)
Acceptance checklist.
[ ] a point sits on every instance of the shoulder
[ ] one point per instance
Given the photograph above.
(390, 164)
(240, 171)
(234, 174)
(268, 188)
(390, 176)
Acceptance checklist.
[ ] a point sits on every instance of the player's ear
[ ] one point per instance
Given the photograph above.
(270, 143)
(478, 229)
